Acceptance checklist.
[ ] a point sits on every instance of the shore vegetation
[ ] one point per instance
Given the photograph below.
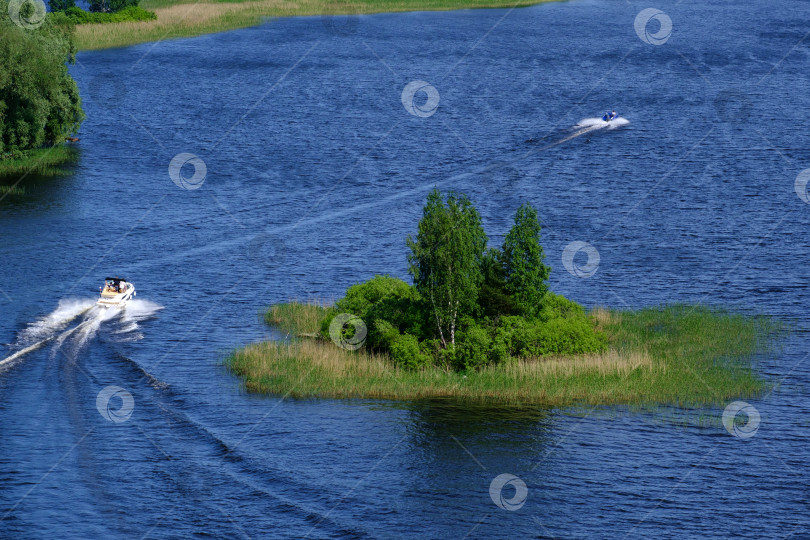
(687, 356)
(181, 18)
(40, 105)
(40, 162)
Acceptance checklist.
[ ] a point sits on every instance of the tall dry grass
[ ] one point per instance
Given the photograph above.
(185, 19)
(309, 368)
(676, 355)
(297, 317)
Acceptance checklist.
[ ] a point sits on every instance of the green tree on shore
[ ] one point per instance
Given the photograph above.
(39, 100)
(445, 260)
(110, 6)
(61, 5)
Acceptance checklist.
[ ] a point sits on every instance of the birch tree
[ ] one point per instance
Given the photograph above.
(445, 260)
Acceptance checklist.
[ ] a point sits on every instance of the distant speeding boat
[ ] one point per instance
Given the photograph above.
(610, 116)
(116, 292)
(610, 120)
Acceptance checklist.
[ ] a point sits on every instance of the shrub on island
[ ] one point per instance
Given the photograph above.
(100, 11)
(128, 13)
(469, 306)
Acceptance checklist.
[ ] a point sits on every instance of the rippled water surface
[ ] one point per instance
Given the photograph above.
(315, 174)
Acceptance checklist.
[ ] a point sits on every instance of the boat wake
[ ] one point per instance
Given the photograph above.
(56, 326)
(598, 123)
(586, 126)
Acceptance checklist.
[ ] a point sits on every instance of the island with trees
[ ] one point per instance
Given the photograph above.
(479, 323)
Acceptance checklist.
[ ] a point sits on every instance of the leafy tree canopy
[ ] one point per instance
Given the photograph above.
(61, 5)
(522, 256)
(469, 306)
(445, 260)
(39, 100)
(111, 6)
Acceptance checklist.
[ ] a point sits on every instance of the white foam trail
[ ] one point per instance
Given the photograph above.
(619, 122)
(47, 326)
(579, 132)
(60, 339)
(585, 126)
(127, 328)
(135, 312)
(24, 351)
(599, 123)
(591, 122)
(139, 310)
(95, 318)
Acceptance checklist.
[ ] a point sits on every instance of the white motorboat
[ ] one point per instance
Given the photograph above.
(116, 292)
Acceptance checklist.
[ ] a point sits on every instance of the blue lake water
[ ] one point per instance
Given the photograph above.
(316, 172)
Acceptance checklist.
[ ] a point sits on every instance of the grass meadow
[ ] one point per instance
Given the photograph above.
(182, 18)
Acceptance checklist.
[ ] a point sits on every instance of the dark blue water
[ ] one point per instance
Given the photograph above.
(315, 174)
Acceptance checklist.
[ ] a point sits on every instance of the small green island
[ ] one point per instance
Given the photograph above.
(479, 324)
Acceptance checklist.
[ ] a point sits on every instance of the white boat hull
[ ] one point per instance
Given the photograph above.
(118, 299)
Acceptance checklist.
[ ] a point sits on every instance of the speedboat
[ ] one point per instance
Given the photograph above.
(116, 292)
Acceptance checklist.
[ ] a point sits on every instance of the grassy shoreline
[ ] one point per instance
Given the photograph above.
(676, 355)
(40, 162)
(180, 18)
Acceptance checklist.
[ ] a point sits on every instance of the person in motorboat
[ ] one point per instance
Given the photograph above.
(609, 116)
(116, 292)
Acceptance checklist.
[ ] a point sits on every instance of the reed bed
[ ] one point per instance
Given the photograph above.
(41, 162)
(678, 355)
(11, 190)
(185, 19)
(296, 317)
